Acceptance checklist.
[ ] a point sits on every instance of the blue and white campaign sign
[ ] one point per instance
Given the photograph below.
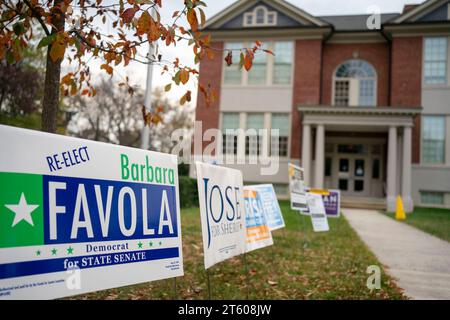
(222, 211)
(78, 216)
(317, 212)
(258, 231)
(270, 205)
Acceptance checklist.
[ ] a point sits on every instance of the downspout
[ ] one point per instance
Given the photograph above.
(328, 37)
(389, 41)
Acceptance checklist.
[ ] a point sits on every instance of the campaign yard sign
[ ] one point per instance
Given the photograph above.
(297, 188)
(270, 205)
(222, 212)
(317, 211)
(78, 216)
(258, 231)
(331, 201)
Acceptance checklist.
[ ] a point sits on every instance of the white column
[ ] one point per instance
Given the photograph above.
(398, 177)
(392, 170)
(306, 153)
(406, 170)
(320, 157)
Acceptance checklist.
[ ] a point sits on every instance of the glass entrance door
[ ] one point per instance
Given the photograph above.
(352, 175)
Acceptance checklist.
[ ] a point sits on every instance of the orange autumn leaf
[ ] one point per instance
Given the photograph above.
(128, 15)
(107, 68)
(248, 61)
(184, 76)
(192, 19)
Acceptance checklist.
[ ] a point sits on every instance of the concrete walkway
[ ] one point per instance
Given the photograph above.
(418, 261)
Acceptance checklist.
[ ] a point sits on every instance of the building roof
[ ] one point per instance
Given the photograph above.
(354, 22)
(428, 13)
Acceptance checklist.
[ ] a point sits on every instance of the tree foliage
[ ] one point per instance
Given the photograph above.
(111, 116)
(19, 95)
(111, 32)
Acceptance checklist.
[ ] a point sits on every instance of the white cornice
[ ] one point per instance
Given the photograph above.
(390, 111)
(285, 7)
(264, 33)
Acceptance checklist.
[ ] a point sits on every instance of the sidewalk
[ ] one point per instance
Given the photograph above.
(418, 261)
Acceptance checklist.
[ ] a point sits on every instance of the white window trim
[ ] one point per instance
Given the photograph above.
(241, 147)
(446, 84)
(333, 87)
(445, 204)
(269, 68)
(446, 143)
(269, 125)
(266, 23)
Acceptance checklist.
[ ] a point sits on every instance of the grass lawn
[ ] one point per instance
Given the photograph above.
(431, 220)
(301, 265)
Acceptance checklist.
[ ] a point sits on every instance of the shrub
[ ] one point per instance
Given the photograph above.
(188, 192)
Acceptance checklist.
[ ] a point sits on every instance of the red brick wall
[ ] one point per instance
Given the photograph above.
(406, 72)
(376, 54)
(308, 55)
(210, 74)
(406, 87)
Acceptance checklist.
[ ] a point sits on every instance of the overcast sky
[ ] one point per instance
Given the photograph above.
(137, 72)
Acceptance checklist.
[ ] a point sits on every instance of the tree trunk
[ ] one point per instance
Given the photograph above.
(50, 101)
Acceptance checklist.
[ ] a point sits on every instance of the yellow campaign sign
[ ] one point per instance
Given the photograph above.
(321, 192)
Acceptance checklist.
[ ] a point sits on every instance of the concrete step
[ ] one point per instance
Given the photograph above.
(363, 203)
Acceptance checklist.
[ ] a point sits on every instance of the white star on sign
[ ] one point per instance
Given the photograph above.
(22, 210)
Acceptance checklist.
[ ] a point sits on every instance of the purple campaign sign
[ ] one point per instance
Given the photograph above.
(331, 201)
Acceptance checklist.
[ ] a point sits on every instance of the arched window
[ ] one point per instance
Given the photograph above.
(260, 16)
(355, 84)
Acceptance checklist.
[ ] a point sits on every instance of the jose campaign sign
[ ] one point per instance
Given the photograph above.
(222, 212)
(68, 206)
(258, 231)
(270, 205)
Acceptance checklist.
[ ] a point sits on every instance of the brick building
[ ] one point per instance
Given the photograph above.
(363, 110)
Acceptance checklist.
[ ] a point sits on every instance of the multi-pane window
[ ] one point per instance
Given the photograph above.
(432, 198)
(435, 60)
(341, 92)
(258, 73)
(366, 91)
(355, 84)
(230, 123)
(433, 139)
(233, 74)
(260, 16)
(266, 69)
(280, 144)
(253, 141)
(282, 68)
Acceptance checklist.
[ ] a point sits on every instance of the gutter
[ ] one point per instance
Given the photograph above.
(389, 41)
